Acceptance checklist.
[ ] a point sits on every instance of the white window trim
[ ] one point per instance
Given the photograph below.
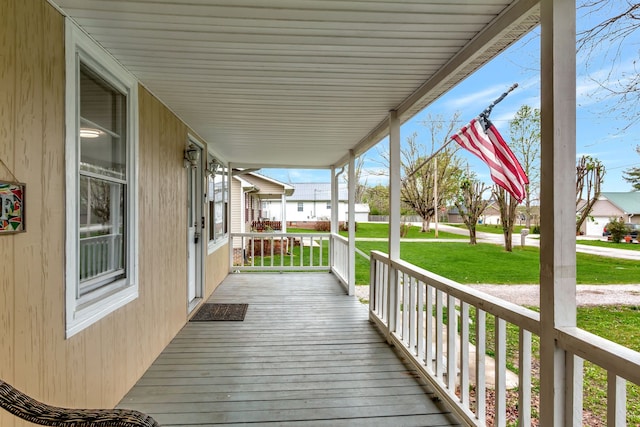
(79, 314)
(214, 245)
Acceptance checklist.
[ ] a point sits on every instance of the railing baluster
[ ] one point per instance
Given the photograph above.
(413, 320)
(452, 332)
(574, 374)
(481, 348)
(616, 400)
(420, 320)
(439, 338)
(500, 372)
(464, 354)
(429, 357)
(404, 305)
(524, 378)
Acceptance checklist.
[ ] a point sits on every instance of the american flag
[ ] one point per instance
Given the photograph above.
(482, 138)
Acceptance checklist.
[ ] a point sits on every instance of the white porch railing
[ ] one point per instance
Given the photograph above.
(428, 318)
(280, 251)
(340, 257)
(100, 255)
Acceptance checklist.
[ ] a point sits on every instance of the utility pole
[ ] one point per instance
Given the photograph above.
(435, 193)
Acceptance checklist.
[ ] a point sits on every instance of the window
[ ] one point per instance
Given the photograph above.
(300, 206)
(218, 198)
(101, 190)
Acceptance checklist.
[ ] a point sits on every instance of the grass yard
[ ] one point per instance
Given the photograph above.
(488, 263)
(603, 244)
(381, 230)
(490, 228)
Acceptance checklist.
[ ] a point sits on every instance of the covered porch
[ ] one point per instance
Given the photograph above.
(305, 354)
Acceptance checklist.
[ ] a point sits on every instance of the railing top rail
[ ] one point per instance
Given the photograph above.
(339, 237)
(276, 234)
(613, 357)
(513, 313)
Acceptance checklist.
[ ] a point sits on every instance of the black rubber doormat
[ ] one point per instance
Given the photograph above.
(214, 312)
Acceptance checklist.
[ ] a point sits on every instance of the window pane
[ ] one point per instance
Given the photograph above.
(102, 126)
(217, 195)
(101, 233)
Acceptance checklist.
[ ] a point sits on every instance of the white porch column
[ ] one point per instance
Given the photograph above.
(284, 212)
(557, 206)
(334, 201)
(394, 213)
(334, 215)
(352, 223)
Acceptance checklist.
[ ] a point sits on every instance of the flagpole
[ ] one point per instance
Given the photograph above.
(486, 112)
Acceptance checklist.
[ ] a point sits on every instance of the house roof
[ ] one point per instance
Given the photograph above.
(628, 202)
(264, 184)
(319, 191)
(299, 83)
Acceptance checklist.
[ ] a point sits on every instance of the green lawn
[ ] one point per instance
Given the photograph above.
(490, 228)
(381, 231)
(603, 244)
(488, 263)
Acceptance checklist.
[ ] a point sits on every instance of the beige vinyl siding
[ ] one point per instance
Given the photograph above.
(217, 267)
(265, 186)
(97, 366)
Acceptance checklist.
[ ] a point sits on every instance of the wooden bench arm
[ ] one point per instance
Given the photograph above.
(23, 406)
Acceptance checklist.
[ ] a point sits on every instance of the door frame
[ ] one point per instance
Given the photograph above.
(198, 217)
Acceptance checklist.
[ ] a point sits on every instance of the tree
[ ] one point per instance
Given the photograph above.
(417, 187)
(632, 175)
(589, 177)
(471, 204)
(603, 46)
(525, 144)
(508, 206)
(378, 199)
(360, 186)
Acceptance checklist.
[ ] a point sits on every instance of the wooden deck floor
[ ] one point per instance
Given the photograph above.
(305, 354)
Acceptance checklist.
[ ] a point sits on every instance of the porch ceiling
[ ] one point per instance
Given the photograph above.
(299, 83)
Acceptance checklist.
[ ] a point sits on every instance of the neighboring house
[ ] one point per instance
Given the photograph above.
(625, 205)
(257, 198)
(491, 214)
(312, 202)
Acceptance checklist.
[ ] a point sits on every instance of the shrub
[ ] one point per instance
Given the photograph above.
(344, 226)
(618, 230)
(535, 229)
(323, 226)
(404, 229)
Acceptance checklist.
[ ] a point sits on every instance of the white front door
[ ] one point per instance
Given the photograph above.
(195, 237)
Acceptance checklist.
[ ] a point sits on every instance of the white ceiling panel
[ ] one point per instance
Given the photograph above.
(299, 82)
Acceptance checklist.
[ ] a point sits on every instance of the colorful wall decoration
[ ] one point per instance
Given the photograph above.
(11, 207)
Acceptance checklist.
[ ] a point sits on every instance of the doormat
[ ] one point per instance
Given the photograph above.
(212, 312)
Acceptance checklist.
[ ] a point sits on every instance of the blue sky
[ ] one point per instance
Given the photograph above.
(601, 133)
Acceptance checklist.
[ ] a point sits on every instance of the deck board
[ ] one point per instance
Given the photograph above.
(305, 354)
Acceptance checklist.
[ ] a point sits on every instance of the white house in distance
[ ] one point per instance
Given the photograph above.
(625, 205)
(311, 202)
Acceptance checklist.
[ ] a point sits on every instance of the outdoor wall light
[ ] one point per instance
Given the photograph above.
(212, 168)
(191, 156)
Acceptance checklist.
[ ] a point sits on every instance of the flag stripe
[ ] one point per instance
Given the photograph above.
(491, 148)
